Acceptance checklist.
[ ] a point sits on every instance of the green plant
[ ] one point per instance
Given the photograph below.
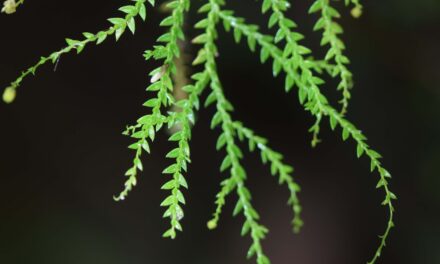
(288, 55)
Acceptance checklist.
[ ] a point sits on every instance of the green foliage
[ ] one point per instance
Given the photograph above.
(287, 56)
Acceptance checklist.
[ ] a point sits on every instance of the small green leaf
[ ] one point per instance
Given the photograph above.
(359, 150)
(221, 141)
(168, 201)
(143, 12)
(316, 6)
(345, 134)
(267, 4)
(170, 169)
(131, 25)
(182, 181)
(226, 163)
(173, 153)
(238, 208)
(245, 229)
(169, 185)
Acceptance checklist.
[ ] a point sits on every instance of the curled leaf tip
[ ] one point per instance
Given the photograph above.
(118, 198)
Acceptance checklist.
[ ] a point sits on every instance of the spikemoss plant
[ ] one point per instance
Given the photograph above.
(287, 56)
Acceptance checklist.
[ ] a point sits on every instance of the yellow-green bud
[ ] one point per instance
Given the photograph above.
(212, 225)
(9, 95)
(9, 6)
(356, 12)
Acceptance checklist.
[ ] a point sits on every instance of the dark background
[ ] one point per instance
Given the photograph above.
(63, 155)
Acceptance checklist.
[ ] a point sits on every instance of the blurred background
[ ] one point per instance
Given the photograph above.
(63, 155)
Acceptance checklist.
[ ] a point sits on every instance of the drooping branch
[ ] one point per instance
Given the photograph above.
(223, 119)
(330, 36)
(316, 103)
(119, 26)
(277, 168)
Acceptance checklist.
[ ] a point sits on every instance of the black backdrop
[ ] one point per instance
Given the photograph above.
(63, 155)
